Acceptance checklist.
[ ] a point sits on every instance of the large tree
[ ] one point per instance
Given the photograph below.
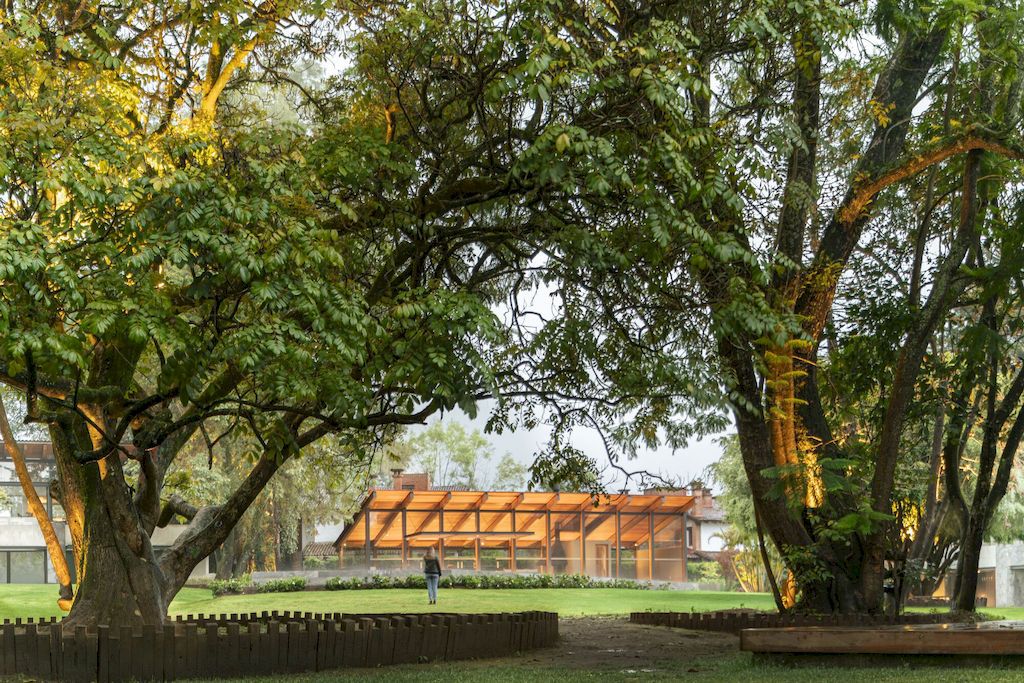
(179, 260)
(794, 149)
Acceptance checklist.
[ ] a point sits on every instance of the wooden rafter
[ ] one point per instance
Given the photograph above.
(437, 509)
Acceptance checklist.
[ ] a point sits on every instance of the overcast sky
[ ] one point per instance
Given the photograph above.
(682, 465)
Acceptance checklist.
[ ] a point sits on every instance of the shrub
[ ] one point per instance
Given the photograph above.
(282, 585)
(234, 586)
(705, 572)
(317, 562)
(483, 581)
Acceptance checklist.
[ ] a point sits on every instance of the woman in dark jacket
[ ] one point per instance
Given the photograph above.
(432, 573)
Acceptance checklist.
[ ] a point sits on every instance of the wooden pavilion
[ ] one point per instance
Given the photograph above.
(618, 536)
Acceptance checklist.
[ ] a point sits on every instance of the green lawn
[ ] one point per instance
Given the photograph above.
(40, 601)
(36, 601)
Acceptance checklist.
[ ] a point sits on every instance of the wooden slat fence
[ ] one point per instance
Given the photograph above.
(734, 622)
(263, 644)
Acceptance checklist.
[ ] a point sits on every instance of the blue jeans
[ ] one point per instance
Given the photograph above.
(432, 580)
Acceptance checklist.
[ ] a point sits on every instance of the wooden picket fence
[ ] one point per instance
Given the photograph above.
(734, 622)
(264, 644)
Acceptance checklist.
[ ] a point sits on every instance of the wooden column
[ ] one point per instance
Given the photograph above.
(440, 538)
(583, 546)
(686, 521)
(367, 545)
(405, 543)
(547, 541)
(650, 545)
(618, 542)
(476, 545)
(512, 545)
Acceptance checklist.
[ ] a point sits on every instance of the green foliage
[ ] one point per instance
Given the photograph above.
(483, 581)
(704, 572)
(296, 583)
(232, 586)
(453, 456)
(317, 563)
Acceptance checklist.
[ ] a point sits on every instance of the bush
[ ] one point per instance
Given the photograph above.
(317, 562)
(482, 581)
(283, 585)
(705, 572)
(235, 586)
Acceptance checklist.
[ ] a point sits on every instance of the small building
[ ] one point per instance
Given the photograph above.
(706, 531)
(1000, 576)
(617, 536)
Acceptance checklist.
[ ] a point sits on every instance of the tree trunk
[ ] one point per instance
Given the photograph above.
(117, 584)
(967, 572)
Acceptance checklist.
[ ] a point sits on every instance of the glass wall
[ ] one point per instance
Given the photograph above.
(566, 556)
(530, 560)
(22, 566)
(353, 558)
(668, 548)
(496, 558)
(461, 557)
(600, 542)
(624, 561)
(634, 561)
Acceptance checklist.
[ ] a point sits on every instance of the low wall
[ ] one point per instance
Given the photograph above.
(244, 645)
(734, 622)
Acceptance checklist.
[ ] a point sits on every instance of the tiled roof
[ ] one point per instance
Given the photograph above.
(319, 550)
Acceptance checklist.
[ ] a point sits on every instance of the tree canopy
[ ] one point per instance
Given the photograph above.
(737, 212)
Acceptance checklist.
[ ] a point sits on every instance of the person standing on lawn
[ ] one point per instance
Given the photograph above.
(432, 573)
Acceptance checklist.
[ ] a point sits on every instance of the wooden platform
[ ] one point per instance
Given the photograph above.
(987, 643)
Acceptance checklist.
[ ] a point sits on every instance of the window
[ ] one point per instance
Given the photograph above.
(689, 537)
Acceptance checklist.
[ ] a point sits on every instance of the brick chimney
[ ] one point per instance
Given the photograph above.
(401, 480)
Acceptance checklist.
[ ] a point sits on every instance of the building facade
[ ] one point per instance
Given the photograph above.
(619, 536)
(23, 554)
(707, 525)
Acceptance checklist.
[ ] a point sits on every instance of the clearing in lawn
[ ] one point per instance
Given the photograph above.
(611, 649)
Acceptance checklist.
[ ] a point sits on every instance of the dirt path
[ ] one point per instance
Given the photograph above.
(612, 644)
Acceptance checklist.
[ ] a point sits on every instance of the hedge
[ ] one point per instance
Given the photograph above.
(234, 586)
(282, 585)
(241, 584)
(483, 581)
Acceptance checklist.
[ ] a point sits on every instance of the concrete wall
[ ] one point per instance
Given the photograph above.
(167, 536)
(23, 532)
(1007, 559)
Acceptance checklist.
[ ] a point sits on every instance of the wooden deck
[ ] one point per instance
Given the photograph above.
(994, 642)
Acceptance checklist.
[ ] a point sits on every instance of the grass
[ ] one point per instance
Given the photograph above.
(34, 600)
(733, 669)
(40, 601)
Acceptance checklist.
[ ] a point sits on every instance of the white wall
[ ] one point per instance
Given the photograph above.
(709, 538)
(23, 532)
